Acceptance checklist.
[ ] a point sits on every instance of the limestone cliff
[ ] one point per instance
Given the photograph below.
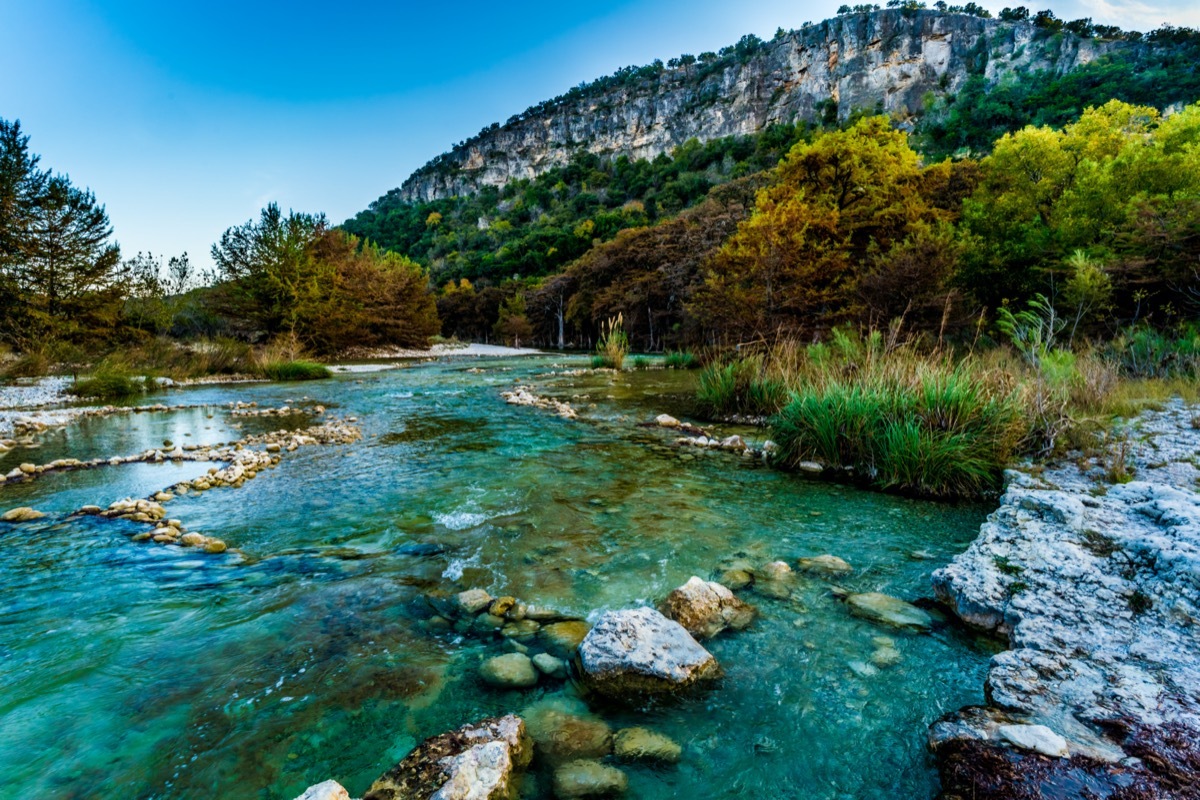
(890, 61)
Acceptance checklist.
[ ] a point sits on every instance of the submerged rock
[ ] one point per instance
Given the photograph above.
(22, 514)
(472, 601)
(564, 730)
(563, 637)
(639, 651)
(888, 610)
(481, 761)
(549, 665)
(825, 565)
(643, 744)
(706, 608)
(327, 790)
(509, 671)
(578, 779)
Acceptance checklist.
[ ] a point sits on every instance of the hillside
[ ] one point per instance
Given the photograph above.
(893, 61)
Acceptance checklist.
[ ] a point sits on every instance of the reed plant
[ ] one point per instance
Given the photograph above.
(613, 345)
(681, 359)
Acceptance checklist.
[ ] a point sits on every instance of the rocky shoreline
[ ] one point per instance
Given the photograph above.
(1095, 584)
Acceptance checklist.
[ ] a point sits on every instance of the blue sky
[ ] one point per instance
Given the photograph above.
(187, 117)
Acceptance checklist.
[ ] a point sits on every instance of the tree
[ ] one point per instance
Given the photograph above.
(513, 325)
(269, 263)
(70, 270)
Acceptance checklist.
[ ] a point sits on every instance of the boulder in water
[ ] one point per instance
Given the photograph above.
(706, 608)
(481, 761)
(562, 638)
(888, 610)
(639, 651)
(564, 730)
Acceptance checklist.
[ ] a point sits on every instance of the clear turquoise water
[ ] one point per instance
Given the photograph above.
(141, 671)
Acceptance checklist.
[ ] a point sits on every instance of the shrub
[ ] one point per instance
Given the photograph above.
(32, 364)
(299, 370)
(109, 382)
(681, 359)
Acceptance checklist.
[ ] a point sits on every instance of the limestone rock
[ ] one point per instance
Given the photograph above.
(888, 610)
(580, 779)
(475, 762)
(639, 651)
(643, 744)
(549, 665)
(706, 608)
(472, 601)
(564, 730)
(666, 421)
(509, 671)
(327, 790)
(1037, 738)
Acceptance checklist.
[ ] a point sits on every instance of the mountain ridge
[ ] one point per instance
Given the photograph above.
(895, 61)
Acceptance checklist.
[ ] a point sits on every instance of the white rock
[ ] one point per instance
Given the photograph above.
(328, 790)
(1037, 738)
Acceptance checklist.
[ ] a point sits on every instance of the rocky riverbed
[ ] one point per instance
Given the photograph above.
(1096, 586)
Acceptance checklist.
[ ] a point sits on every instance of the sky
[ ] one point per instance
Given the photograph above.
(187, 117)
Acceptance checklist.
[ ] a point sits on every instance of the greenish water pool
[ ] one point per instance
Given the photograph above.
(129, 670)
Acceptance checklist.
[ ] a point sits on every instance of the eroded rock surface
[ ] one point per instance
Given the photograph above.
(1096, 587)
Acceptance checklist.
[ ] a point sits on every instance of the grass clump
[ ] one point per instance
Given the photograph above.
(613, 345)
(641, 363)
(742, 386)
(681, 359)
(111, 381)
(298, 370)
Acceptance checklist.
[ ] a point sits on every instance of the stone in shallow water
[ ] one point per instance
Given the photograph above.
(472, 601)
(1037, 738)
(639, 651)
(509, 671)
(579, 779)
(22, 514)
(888, 610)
(476, 762)
(549, 665)
(636, 744)
(705, 608)
(328, 790)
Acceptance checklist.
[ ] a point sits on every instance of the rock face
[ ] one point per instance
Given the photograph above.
(640, 652)
(887, 60)
(1097, 588)
(705, 608)
(476, 762)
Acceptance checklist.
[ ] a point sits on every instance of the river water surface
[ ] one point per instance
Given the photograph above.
(133, 670)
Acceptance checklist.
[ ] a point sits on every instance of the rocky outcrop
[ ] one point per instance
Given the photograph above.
(483, 761)
(888, 61)
(1096, 587)
(639, 652)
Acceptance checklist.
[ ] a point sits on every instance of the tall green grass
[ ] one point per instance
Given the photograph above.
(742, 386)
(110, 381)
(299, 370)
(941, 433)
(681, 359)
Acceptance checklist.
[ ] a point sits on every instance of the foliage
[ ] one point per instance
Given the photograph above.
(845, 197)
(110, 381)
(293, 274)
(534, 227)
(739, 387)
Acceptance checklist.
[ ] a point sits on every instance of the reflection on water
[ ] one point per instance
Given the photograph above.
(146, 671)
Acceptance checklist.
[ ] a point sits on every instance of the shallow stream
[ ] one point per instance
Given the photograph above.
(138, 670)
